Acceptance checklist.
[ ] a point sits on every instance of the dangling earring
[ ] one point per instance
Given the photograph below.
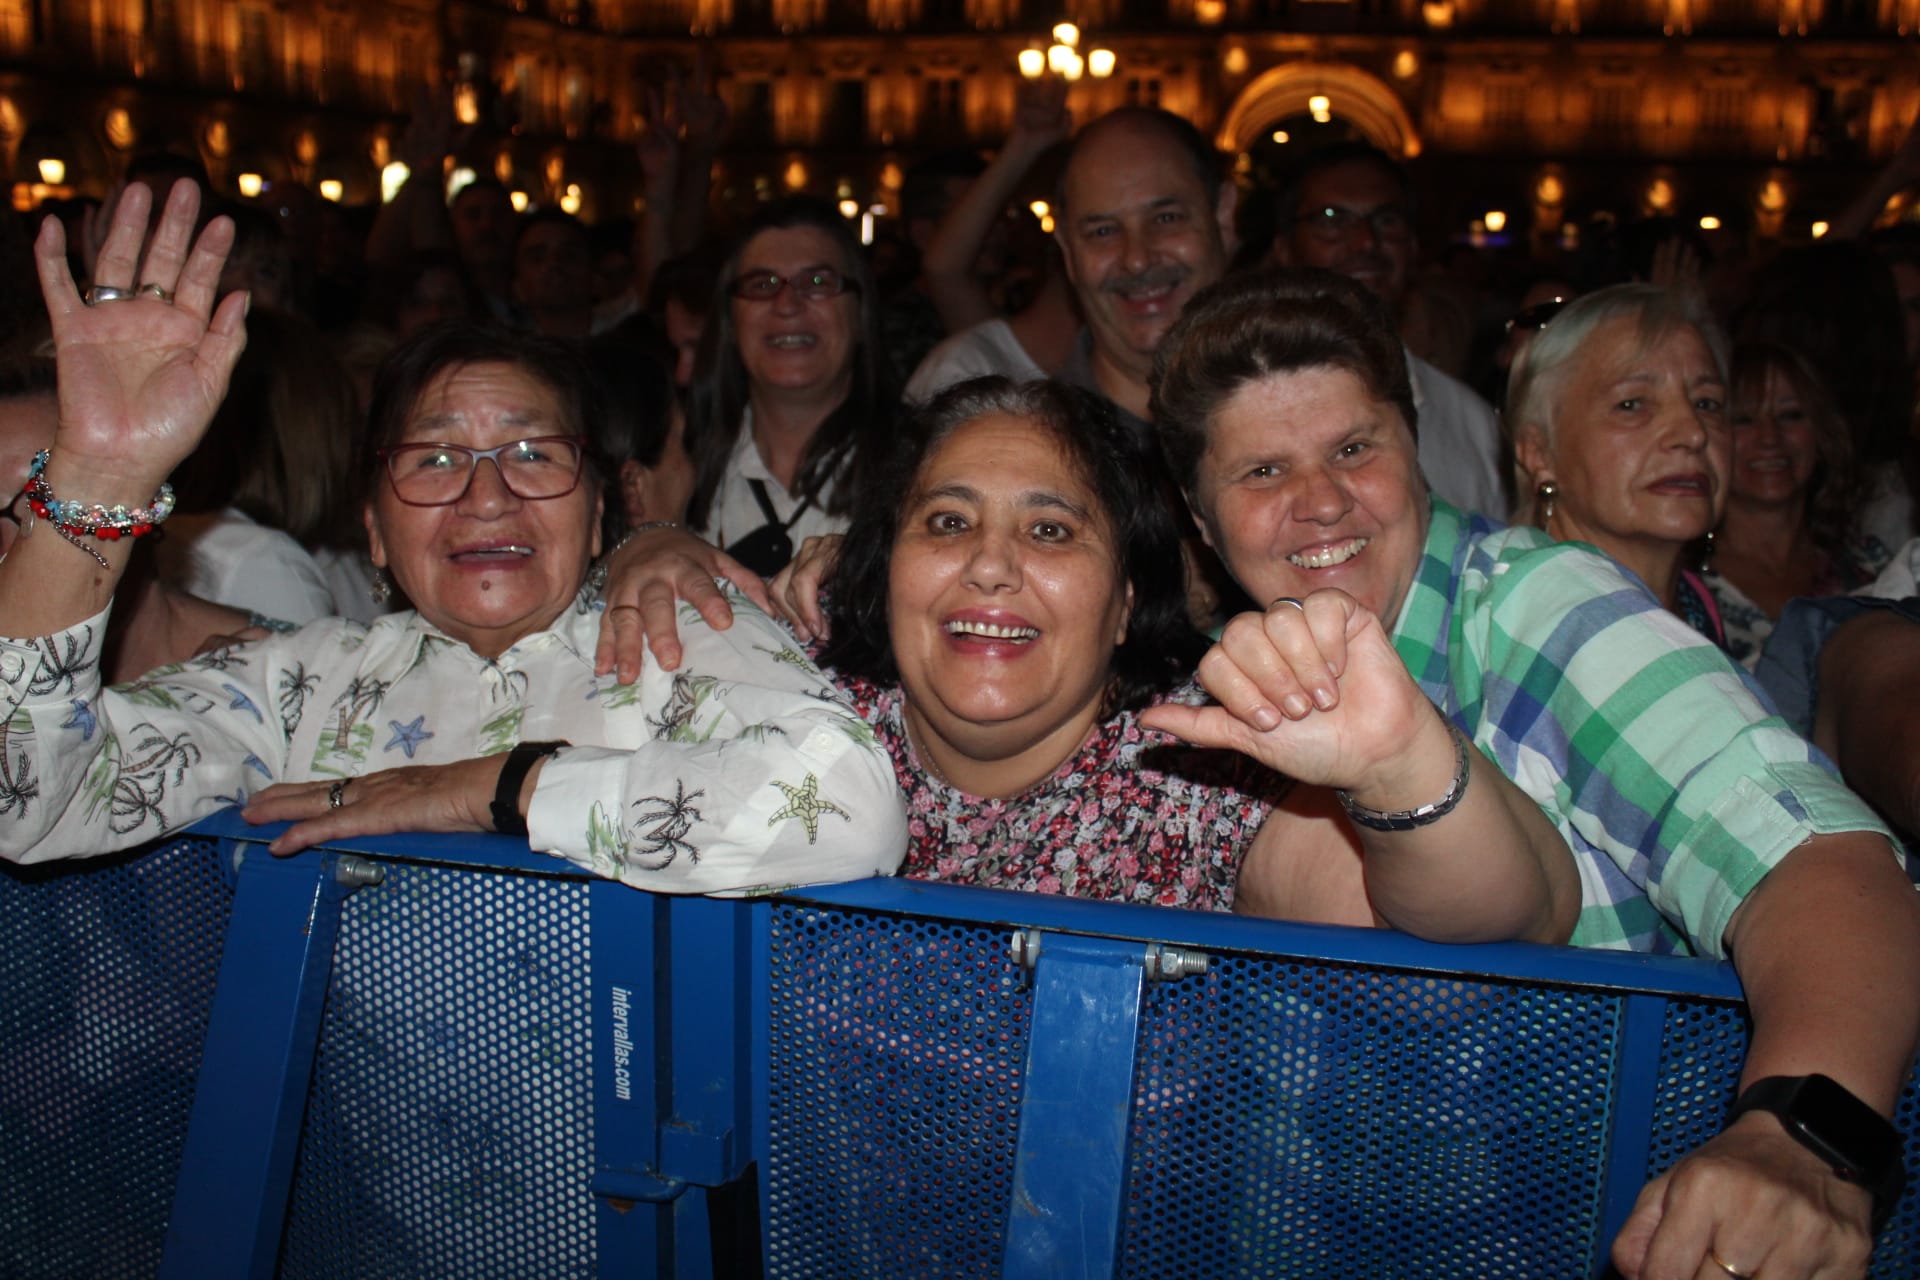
(1544, 498)
(597, 576)
(381, 588)
(1706, 552)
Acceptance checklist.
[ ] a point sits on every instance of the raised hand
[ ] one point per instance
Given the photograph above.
(1905, 163)
(1040, 114)
(142, 369)
(1313, 689)
(658, 146)
(1675, 265)
(703, 110)
(430, 135)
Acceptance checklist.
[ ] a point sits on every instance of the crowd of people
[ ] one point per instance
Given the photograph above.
(1162, 561)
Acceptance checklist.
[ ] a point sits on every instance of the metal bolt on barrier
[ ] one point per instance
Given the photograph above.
(356, 872)
(1167, 963)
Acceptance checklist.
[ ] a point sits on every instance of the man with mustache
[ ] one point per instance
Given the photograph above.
(1348, 209)
(1144, 222)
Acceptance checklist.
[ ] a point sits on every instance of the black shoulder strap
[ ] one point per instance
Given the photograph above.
(760, 496)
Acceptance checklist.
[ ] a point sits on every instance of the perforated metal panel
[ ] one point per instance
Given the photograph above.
(1699, 1070)
(1896, 1253)
(107, 969)
(897, 1047)
(449, 1128)
(1276, 1134)
(1704, 1046)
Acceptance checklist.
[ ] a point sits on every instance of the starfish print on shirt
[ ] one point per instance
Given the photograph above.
(804, 803)
(83, 719)
(407, 737)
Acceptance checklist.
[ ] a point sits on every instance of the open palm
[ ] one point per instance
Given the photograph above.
(140, 377)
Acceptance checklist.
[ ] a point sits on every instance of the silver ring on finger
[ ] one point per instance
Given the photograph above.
(99, 293)
(1298, 604)
(1713, 1256)
(337, 793)
(151, 290)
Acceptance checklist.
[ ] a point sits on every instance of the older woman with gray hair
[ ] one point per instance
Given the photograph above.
(1618, 411)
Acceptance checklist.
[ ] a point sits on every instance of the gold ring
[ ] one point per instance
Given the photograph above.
(105, 293)
(337, 793)
(1713, 1256)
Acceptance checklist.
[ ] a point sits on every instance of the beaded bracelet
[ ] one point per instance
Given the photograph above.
(75, 520)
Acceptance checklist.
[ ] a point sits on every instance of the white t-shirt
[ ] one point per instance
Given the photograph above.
(1459, 441)
(1901, 577)
(1886, 512)
(226, 558)
(975, 352)
(350, 578)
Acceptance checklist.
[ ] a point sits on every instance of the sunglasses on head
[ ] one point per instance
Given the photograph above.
(1536, 316)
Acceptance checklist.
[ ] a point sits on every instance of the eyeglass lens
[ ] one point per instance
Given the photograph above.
(1387, 223)
(433, 475)
(814, 285)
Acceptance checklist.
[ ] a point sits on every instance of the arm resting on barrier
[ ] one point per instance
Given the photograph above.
(760, 777)
(1315, 690)
(741, 772)
(1828, 950)
(86, 770)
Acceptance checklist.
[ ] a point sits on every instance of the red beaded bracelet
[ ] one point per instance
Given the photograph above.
(75, 520)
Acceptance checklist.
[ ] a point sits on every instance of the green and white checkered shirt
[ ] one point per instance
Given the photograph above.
(1675, 787)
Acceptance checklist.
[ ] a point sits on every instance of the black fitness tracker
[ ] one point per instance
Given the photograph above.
(506, 796)
(1855, 1141)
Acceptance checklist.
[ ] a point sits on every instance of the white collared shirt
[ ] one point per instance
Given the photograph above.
(735, 514)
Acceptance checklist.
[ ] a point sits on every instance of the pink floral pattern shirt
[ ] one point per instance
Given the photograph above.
(1133, 816)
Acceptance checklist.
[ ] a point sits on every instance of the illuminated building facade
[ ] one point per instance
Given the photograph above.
(1763, 110)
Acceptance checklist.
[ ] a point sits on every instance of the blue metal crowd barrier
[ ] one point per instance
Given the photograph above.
(426, 1056)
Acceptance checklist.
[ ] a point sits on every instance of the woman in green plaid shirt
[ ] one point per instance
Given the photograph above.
(1699, 821)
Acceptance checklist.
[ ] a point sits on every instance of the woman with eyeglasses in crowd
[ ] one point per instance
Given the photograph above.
(792, 391)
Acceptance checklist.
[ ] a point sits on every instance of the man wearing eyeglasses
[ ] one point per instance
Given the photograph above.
(1348, 209)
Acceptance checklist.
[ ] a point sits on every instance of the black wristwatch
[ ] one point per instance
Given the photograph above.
(1854, 1140)
(506, 793)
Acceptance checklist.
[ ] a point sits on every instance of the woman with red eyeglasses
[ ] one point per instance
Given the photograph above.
(792, 394)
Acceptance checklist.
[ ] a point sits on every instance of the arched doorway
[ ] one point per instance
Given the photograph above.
(1274, 123)
(1285, 93)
